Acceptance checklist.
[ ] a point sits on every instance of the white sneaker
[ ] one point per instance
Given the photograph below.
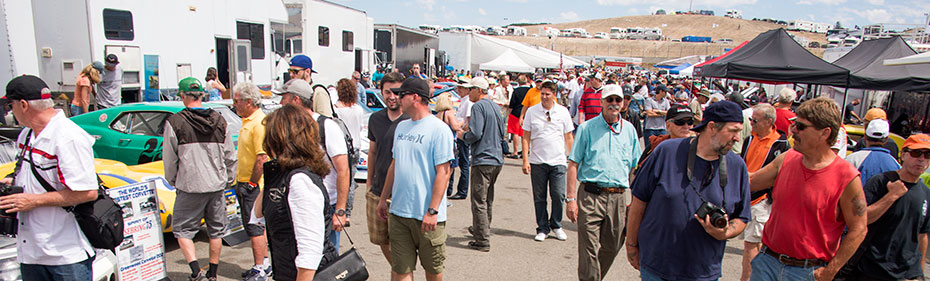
(559, 234)
(540, 237)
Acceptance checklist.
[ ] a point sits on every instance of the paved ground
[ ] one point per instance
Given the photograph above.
(513, 256)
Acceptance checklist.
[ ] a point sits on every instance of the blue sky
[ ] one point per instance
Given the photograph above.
(500, 12)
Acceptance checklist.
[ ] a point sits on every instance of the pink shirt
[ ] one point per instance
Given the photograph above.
(804, 223)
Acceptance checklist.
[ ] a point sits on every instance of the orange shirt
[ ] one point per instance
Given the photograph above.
(759, 149)
(532, 98)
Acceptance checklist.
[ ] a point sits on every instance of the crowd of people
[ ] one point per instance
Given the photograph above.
(701, 168)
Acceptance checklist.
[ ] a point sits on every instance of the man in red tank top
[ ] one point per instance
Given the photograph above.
(815, 196)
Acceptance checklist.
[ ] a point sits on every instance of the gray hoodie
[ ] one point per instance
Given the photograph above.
(198, 152)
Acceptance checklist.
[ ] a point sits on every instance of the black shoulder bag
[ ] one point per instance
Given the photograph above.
(101, 220)
(349, 266)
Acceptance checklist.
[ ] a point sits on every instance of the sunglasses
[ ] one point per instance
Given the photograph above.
(801, 126)
(918, 153)
(548, 118)
(294, 70)
(753, 120)
(613, 99)
(682, 122)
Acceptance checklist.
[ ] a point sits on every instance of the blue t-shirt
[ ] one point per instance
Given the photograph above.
(418, 147)
(673, 244)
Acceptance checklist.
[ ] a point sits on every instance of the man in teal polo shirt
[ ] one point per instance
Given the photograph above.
(605, 151)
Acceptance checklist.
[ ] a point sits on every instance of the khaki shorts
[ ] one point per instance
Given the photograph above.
(377, 228)
(408, 242)
(760, 215)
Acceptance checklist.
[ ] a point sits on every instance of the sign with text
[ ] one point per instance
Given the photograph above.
(141, 257)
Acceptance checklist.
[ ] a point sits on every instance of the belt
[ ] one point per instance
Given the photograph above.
(789, 261)
(595, 189)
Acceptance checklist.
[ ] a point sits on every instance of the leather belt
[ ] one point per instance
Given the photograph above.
(595, 189)
(789, 261)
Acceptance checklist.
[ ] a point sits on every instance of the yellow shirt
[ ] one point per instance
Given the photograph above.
(251, 139)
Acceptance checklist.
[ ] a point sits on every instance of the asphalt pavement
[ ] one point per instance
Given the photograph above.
(514, 254)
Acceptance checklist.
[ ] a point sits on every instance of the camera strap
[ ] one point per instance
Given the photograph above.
(721, 170)
(27, 150)
(20, 157)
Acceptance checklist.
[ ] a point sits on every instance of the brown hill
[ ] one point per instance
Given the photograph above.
(673, 27)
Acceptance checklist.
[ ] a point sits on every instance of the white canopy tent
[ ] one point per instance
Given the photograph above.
(687, 72)
(913, 59)
(507, 61)
(470, 51)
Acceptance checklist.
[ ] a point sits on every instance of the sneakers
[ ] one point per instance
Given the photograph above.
(200, 275)
(458, 196)
(559, 234)
(254, 274)
(540, 237)
(478, 246)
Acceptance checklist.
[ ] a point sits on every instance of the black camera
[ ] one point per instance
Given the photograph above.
(9, 225)
(717, 215)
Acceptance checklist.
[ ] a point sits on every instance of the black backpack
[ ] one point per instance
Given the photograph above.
(101, 219)
(353, 153)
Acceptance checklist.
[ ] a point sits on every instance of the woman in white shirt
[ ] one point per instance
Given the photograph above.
(294, 203)
(348, 109)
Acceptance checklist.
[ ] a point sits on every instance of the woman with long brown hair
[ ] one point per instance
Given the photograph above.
(294, 192)
(86, 80)
(213, 87)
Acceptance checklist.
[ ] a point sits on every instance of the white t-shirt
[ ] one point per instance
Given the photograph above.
(547, 138)
(352, 117)
(335, 145)
(464, 110)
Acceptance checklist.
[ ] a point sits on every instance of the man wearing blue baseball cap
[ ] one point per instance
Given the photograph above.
(682, 225)
(302, 68)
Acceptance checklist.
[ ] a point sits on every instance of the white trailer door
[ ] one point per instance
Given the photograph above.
(240, 57)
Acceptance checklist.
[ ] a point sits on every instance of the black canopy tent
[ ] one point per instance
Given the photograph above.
(774, 57)
(868, 71)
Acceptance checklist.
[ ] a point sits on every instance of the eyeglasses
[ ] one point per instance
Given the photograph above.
(294, 70)
(753, 120)
(801, 126)
(682, 122)
(917, 153)
(548, 119)
(613, 99)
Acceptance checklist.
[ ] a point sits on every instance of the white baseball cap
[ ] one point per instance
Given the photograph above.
(877, 129)
(477, 82)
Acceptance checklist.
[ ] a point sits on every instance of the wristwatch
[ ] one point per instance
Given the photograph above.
(340, 212)
(432, 212)
(570, 199)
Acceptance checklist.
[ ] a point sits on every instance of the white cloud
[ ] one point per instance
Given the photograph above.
(823, 2)
(873, 15)
(569, 15)
(482, 12)
(877, 2)
(517, 1)
(428, 4)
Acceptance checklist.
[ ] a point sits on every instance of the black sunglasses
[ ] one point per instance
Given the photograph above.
(613, 99)
(548, 118)
(682, 122)
(294, 70)
(917, 153)
(801, 126)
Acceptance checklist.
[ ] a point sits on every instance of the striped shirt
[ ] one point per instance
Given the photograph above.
(590, 103)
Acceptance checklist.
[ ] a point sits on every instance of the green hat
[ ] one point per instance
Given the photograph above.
(190, 84)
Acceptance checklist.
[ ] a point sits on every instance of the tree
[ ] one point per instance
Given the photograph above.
(838, 25)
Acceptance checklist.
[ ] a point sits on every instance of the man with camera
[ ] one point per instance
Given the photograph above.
(603, 153)
(50, 244)
(815, 196)
(689, 197)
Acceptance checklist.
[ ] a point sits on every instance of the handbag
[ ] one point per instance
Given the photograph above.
(349, 266)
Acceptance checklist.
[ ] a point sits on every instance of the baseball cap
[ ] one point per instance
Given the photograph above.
(492, 81)
(753, 100)
(627, 90)
(611, 90)
(738, 99)
(596, 75)
(661, 87)
(477, 82)
(417, 86)
(27, 87)
(112, 59)
(98, 65)
(704, 92)
(721, 111)
(877, 129)
(303, 61)
(300, 88)
(875, 113)
(282, 90)
(917, 141)
(677, 112)
(190, 84)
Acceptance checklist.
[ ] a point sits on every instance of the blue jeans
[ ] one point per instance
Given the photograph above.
(651, 132)
(76, 110)
(552, 178)
(648, 276)
(767, 268)
(462, 155)
(79, 271)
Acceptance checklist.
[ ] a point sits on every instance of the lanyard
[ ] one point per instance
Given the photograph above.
(612, 127)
